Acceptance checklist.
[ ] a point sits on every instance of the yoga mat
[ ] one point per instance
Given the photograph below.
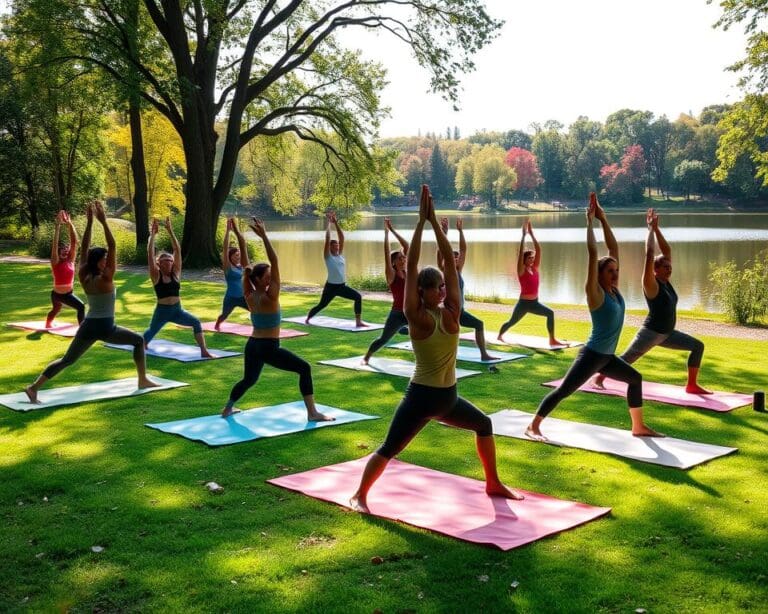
(256, 423)
(85, 393)
(176, 351)
(445, 503)
(666, 451)
(527, 341)
(468, 354)
(59, 327)
(674, 395)
(245, 330)
(389, 366)
(336, 323)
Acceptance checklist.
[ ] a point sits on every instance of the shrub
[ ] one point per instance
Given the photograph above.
(370, 283)
(741, 293)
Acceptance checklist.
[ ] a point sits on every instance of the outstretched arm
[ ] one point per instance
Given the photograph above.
(176, 247)
(87, 235)
(154, 272)
(274, 284)
(109, 271)
(339, 234)
(327, 244)
(663, 245)
(389, 271)
(55, 241)
(412, 301)
(241, 245)
(400, 239)
(521, 251)
(462, 245)
(439, 257)
(595, 294)
(536, 247)
(650, 285)
(610, 240)
(225, 246)
(452, 300)
(72, 238)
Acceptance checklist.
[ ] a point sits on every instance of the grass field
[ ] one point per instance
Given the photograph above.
(92, 475)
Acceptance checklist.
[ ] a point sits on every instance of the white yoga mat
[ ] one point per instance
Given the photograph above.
(527, 341)
(389, 366)
(667, 451)
(336, 323)
(39, 326)
(85, 393)
(469, 354)
(256, 423)
(176, 351)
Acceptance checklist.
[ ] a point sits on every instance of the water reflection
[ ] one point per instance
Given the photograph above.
(490, 270)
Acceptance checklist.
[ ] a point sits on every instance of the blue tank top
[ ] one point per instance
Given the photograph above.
(266, 320)
(234, 277)
(607, 321)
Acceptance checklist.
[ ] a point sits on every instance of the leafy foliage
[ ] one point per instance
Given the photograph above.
(742, 292)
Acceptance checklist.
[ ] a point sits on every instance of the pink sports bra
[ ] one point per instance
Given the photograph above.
(63, 273)
(529, 283)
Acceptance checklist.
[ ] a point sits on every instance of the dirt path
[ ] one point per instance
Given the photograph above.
(709, 328)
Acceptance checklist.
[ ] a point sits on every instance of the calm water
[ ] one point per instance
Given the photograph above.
(490, 269)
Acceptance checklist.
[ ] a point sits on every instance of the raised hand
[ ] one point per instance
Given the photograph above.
(424, 210)
(459, 224)
(444, 225)
(599, 212)
(153, 227)
(387, 224)
(168, 226)
(529, 227)
(257, 226)
(89, 212)
(99, 212)
(590, 213)
(652, 219)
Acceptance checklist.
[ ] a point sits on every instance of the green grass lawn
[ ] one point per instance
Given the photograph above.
(92, 475)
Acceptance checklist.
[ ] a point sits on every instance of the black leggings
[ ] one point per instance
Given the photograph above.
(533, 306)
(424, 403)
(259, 352)
(68, 299)
(587, 363)
(331, 291)
(91, 331)
(395, 321)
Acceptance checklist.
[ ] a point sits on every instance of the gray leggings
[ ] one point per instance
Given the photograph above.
(395, 321)
(647, 339)
(524, 306)
(91, 331)
(170, 313)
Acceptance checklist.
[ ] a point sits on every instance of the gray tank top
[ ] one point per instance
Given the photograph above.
(101, 305)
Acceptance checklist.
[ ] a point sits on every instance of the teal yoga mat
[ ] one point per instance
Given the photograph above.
(255, 423)
(85, 393)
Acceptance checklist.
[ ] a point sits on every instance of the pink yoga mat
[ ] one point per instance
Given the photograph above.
(65, 329)
(445, 503)
(245, 330)
(674, 395)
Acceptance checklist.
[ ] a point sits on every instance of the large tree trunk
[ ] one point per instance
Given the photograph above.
(138, 169)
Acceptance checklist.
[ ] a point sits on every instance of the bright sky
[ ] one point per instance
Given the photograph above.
(559, 59)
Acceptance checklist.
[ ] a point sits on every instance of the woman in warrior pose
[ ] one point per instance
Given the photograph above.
(606, 306)
(261, 288)
(165, 273)
(528, 262)
(231, 262)
(96, 274)
(432, 307)
(336, 283)
(63, 268)
(394, 267)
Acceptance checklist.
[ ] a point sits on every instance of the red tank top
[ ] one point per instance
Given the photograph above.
(63, 273)
(529, 283)
(398, 293)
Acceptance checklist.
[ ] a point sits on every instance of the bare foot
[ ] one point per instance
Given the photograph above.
(316, 416)
(499, 490)
(597, 383)
(48, 324)
(361, 324)
(554, 341)
(365, 360)
(206, 354)
(147, 383)
(228, 411)
(500, 337)
(32, 395)
(359, 504)
(488, 358)
(534, 434)
(307, 320)
(696, 389)
(644, 431)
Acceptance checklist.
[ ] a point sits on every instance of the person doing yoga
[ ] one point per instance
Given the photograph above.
(231, 258)
(466, 319)
(96, 275)
(165, 273)
(606, 307)
(432, 306)
(659, 326)
(528, 262)
(261, 288)
(336, 284)
(63, 268)
(394, 269)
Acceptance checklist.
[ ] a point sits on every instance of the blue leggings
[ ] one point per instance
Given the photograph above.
(230, 302)
(533, 306)
(331, 291)
(170, 313)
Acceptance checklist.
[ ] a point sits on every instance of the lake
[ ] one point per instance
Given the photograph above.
(697, 239)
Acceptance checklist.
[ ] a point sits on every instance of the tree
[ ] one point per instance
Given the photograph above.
(269, 69)
(441, 178)
(691, 175)
(526, 169)
(623, 182)
(549, 148)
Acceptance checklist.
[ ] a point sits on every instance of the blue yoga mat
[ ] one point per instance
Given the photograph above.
(255, 423)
